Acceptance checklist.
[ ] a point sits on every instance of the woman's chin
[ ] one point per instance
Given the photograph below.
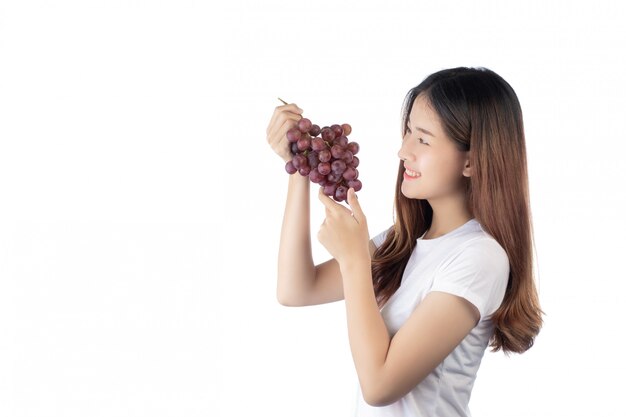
(410, 193)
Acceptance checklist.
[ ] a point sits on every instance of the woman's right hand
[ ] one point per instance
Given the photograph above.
(284, 118)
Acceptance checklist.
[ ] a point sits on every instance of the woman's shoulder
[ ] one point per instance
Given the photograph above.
(479, 250)
(478, 270)
(486, 243)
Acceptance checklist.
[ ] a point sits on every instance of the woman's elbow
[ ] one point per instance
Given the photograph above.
(378, 401)
(283, 299)
(282, 295)
(287, 300)
(378, 396)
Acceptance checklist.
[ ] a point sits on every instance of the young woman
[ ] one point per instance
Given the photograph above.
(453, 275)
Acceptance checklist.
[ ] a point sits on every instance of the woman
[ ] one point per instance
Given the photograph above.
(453, 274)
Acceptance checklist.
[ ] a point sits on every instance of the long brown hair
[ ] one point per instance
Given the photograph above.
(480, 113)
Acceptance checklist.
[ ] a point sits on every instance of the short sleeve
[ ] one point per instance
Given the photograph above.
(380, 238)
(478, 272)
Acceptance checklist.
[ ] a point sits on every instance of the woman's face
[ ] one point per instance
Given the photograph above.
(434, 166)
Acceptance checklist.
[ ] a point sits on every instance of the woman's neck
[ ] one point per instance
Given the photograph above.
(447, 216)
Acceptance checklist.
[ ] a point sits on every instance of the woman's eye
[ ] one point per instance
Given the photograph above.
(422, 141)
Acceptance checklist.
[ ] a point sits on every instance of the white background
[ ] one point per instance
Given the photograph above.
(140, 206)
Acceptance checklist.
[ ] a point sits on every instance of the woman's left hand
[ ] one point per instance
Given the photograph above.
(344, 233)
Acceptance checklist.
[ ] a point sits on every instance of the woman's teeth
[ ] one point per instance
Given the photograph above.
(411, 173)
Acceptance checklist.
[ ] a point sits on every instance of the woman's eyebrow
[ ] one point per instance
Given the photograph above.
(425, 131)
(421, 130)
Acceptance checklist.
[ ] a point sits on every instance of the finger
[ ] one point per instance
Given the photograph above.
(327, 201)
(332, 207)
(281, 125)
(353, 201)
(280, 121)
(279, 143)
(280, 132)
(287, 108)
(293, 108)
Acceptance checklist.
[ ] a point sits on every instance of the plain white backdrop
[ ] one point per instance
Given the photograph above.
(140, 206)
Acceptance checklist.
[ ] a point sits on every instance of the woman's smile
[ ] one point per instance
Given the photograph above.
(410, 175)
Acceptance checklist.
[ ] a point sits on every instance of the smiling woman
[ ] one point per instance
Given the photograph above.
(425, 297)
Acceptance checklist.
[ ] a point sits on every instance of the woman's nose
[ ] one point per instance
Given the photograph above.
(403, 153)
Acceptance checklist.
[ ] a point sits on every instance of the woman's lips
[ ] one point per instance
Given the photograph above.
(411, 175)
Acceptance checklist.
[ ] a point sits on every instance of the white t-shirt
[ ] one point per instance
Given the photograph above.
(467, 262)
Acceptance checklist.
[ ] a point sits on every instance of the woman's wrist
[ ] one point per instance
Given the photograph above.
(355, 263)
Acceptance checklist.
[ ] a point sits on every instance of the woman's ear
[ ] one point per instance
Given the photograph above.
(467, 170)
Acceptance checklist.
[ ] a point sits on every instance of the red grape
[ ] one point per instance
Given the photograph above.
(313, 159)
(347, 129)
(338, 166)
(303, 143)
(337, 129)
(329, 189)
(299, 161)
(293, 135)
(334, 177)
(341, 141)
(337, 151)
(318, 144)
(290, 168)
(324, 155)
(324, 168)
(327, 134)
(356, 184)
(341, 193)
(350, 173)
(315, 176)
(304, 125)
(315, 130)
(353, 147)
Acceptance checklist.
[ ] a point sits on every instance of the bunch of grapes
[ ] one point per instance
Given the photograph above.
(325, 156)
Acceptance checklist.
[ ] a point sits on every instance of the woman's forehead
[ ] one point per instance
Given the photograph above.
(423, 116)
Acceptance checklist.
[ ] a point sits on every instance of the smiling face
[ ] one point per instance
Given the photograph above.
(435, 167)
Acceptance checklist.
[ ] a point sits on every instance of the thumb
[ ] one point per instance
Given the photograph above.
(353, 201)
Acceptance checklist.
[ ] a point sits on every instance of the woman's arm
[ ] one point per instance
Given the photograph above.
(388, 368)
(300, 282)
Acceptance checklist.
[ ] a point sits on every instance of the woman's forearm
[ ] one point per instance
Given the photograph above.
(296, 270)
(367, 333)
